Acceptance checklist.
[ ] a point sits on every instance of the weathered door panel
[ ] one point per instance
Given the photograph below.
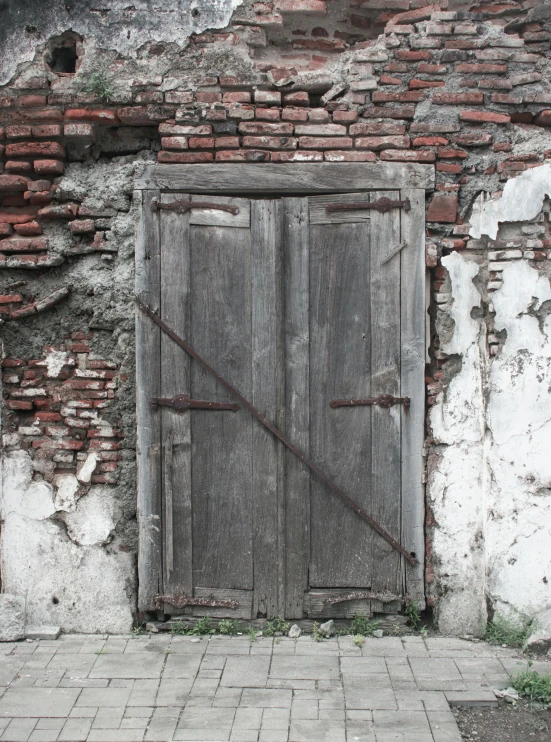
(295, 306)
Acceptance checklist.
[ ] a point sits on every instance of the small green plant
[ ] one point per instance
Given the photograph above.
(534, 686)
(413, 614)
(503, 630)
(363, 625)
(276, 627)
(202, 627)
(139, 629)
(229, 626)
(179, 628)
(358, 640)
(99, 83)
(251, 633)
(316, 636)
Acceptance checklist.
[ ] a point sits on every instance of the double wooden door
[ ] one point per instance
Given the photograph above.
(295, 305)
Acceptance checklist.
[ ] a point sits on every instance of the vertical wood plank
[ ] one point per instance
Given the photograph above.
(222, 469)
(385, 379)
(175, 379)
(413, 320)
(265, 256)
(148, 345)
(297, 402)
(340, 439)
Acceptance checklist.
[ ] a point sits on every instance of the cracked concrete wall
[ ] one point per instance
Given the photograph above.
(489, 470)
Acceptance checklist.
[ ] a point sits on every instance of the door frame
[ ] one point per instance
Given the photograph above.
(412, 180)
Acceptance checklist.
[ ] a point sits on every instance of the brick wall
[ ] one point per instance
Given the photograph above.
(463, 86)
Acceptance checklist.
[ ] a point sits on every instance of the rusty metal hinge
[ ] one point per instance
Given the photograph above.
(383, 597)
(181, 601)
(383, 400)
(182, 402)
(382, 204)
(182, 206)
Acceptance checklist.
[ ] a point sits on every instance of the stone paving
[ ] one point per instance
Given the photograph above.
(226, 689)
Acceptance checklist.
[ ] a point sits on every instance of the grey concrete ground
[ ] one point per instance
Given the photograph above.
(221, 689)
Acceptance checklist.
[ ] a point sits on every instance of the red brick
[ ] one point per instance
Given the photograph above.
(337, 156)
(48, 167)
(380, 143)
(5, 230)
(294, 114)
(10, 298)
(102, 116)
(345, 117)
(149, 96)
(502, 147)
(226, 142)
(300, 98)
(543, 118)
(82, 226)
(185, 157)
(14, 404)
(24, 244)
(429, 141)
(442, 208)
(242, 155)
(396, 67)
(305, 7)
(12, 363)
(473, 139)
(297, 157)
(414, 16)
(29, 229)
(250, 127)
(19, 131)
(21, 167)
(21, 215)
(325, 142)
(448, 167)
(409, 96)
(174, 143)
(484, 116)
(201, 143)
(450, 153)
(412, 56)
(266, 142)
(35, 149)
(324, 45)
(178, 130)
(13, 183)
(408, 155)
(481, 68)
(145, 115)
(387, 80)
(320, 130)
(381, 112)
(50, 114)
(178, 96)
(267, 114)
(432, 69)
(268, 97)
(417, 84)
(32, 101)
(458, 99)
(237, 97)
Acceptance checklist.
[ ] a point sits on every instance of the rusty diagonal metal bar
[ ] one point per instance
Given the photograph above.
(278, 434)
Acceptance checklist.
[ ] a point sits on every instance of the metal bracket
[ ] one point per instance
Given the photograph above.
(182, 402)
(182, 206)
(181, 601)
(383, 597)
(383, 400)
(382, 204)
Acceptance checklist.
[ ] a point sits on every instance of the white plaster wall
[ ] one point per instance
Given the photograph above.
(490, 490)
(57, 553)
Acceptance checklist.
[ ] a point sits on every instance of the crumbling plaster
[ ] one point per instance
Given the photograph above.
(489, 486)
(122, 27)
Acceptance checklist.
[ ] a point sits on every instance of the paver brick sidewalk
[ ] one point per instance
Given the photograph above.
(220, 689)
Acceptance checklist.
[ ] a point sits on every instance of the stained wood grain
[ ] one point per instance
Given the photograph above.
(175, 379)
(221, 331)
(148, 343)
(297, 403)
(413, 319)
(289, 177)
(320, 215)
(340, 439)
(385, 379)
(266, 396)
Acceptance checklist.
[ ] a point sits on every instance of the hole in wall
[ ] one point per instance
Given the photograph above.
(61, 55)
(55, 600)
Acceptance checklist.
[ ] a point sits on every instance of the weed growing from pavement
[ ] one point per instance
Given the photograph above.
(230, 626)
(316, 636)
(358, 640)
(502, 630)
(413, 614)
(363, 625)
(534, 686)
(276, 627)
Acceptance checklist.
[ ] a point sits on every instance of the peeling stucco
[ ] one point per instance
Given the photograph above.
(121, 26)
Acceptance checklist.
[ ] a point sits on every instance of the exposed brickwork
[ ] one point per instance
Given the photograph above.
(56, 406)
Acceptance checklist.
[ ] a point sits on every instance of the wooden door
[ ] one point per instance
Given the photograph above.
(296, 306)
